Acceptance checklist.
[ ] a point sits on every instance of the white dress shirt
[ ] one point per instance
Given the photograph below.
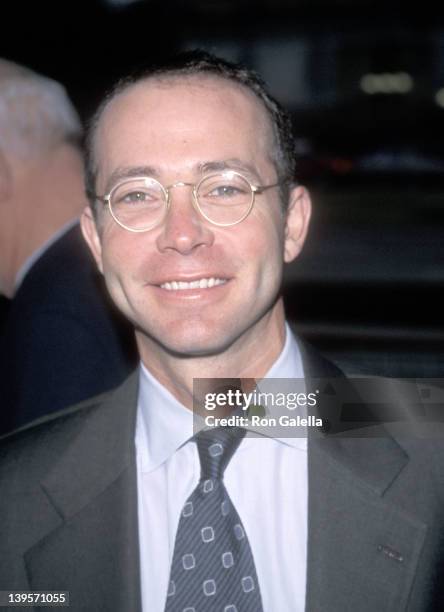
(266, 480)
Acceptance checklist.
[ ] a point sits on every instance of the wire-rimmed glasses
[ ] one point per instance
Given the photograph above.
(141, 203)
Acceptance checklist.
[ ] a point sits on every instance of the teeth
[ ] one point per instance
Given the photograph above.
(203, 283)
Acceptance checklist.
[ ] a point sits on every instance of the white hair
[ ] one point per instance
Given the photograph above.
(36, 114)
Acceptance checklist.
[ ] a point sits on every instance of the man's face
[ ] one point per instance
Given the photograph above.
(178, 131)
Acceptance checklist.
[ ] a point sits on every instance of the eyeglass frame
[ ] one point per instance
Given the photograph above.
(255, 189)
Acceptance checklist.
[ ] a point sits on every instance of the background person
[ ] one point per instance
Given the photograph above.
(62, 341)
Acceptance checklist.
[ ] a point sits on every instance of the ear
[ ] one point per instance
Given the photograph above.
(297, 221)
(91, 235)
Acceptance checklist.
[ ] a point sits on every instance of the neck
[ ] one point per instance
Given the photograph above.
(47, 194)
(250, 356)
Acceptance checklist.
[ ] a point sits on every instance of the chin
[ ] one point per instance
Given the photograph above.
(189, 340)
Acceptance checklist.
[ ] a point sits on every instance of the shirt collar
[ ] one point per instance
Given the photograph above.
(35, 256)
(164, 424)
(287, 366)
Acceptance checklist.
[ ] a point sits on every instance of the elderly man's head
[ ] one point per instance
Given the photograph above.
(195, 281)
(40, 133)
(35, 113)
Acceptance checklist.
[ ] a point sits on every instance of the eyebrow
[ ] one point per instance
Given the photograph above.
(123, 172)
(229, 164)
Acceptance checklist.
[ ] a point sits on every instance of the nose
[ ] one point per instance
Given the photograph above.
(184, 229)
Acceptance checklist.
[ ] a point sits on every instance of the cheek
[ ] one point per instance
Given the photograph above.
(264, 240)
(262, 254)
(121, 253)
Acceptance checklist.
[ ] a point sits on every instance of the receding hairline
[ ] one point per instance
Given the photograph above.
(171, 79)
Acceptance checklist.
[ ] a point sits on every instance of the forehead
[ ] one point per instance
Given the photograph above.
(167, 120)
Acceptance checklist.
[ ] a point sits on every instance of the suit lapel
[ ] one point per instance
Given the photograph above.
(363, 550)
(94, 552)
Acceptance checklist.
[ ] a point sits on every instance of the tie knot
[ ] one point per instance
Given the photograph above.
(216, 447)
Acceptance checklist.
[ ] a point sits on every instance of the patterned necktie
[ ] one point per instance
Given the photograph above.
(213, 568)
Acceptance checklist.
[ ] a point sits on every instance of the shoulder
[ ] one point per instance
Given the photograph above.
(32, 448)
(361, 408)
(103, 418)
(67, 453)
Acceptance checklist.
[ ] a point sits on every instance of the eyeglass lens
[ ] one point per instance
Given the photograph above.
(222, 198)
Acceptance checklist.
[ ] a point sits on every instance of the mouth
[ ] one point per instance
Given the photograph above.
(201, 283)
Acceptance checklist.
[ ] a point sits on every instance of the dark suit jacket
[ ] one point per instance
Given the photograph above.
(62, 341)
(68, 513)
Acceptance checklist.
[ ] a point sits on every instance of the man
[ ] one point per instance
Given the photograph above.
(193, 213)
(62, 341)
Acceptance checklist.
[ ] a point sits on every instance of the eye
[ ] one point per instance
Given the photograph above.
(135, 197)
(232, 190)
(225, 191)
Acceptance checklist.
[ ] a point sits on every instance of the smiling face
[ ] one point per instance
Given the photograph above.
(192, 288)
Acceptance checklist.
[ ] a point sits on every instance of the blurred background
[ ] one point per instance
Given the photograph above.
(364, 81)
